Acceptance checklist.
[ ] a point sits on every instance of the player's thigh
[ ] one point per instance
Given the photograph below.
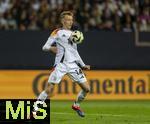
(57, 74)
(77, 75)
(85, 86)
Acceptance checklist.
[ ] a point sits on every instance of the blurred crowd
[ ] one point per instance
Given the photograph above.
(113, 15)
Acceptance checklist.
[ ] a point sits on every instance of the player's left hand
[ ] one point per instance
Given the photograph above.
(87, 67)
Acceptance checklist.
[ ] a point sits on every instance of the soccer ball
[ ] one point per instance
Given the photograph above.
(77, 37)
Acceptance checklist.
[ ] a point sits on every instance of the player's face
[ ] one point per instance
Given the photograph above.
(67, 21)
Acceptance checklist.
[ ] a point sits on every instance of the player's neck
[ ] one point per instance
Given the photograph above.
(65, 28)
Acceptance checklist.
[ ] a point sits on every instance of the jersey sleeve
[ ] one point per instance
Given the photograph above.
(79, 60)
(50, 41)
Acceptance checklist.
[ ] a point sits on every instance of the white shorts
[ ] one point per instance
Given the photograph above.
(72, 70)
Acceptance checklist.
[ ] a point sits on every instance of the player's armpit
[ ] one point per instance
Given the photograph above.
(53, 49)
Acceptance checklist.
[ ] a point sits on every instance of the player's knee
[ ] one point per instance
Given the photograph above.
(49, 89)
(87, 90)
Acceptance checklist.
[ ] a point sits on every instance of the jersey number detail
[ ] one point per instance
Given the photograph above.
(79, 72)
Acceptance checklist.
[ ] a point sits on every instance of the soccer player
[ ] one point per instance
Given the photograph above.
(67, 61)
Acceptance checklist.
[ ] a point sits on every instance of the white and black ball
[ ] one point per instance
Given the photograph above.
(77, 37)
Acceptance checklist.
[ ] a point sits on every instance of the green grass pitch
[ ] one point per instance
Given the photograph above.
(101, 112)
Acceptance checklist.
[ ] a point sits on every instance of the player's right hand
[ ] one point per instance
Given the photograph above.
(87, 67)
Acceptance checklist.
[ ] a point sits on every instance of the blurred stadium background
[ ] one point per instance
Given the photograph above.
(116, 45)
(113, 15)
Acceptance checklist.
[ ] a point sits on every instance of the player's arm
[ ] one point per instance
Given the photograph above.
(82, 64)
(49, 43)
(48, 46)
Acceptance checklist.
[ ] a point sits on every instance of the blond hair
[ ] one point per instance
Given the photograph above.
(65, 13)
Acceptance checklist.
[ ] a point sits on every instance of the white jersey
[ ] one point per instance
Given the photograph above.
(66, 49)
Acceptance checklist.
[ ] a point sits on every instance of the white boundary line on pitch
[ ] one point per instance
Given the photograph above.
(65, 113)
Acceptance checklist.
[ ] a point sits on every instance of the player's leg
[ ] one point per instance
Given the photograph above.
(48, 91)
(85, 89)
(80, 97)
(78, 76)
(49, 88)
(54, 78)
